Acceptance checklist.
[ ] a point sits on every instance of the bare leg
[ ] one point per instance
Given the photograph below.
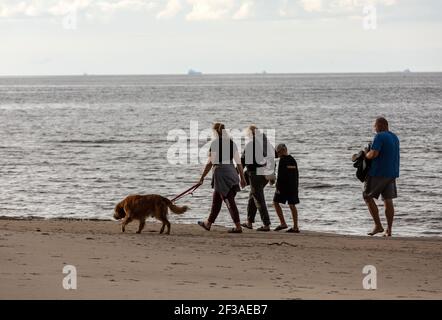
(374, 211)
(295, 216)
(278, 210)
(389, 214)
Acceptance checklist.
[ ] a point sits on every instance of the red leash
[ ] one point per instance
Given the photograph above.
(188, 191)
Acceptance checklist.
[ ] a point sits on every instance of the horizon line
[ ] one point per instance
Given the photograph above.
(264, 73)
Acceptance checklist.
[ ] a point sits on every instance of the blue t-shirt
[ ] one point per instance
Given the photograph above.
(386, 164)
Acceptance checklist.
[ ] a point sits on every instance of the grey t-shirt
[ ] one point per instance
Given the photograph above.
(222, 150)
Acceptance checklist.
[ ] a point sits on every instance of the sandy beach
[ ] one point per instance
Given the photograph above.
(192, 263)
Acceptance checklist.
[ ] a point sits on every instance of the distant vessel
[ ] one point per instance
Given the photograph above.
(192, 72)
(404, 71)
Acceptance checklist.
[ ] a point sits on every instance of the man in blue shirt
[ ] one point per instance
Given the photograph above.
(382, 175)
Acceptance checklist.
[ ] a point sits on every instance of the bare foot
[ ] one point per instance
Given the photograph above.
(375, 231)
(387, 233)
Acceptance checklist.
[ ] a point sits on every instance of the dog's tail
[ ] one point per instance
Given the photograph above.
(174, 208)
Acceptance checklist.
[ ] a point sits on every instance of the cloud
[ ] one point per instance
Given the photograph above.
(388, 2)
(245, 11)
(134, 5)
(311, 5)
(319, 9)
(22, 8)
(34, 8)
(64, 7)
(346, 5)
(196, 10)
(173, 7)
(210, 9)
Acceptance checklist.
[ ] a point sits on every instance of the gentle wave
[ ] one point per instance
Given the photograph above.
(75, 146)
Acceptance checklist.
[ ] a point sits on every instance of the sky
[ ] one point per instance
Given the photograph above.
(60, 37)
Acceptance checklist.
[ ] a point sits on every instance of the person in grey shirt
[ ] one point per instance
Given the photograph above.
(225, 181)
(253, 158)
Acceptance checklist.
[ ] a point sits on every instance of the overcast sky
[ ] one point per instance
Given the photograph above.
(218, 36)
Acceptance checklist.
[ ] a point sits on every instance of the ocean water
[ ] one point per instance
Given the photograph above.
(75, 146)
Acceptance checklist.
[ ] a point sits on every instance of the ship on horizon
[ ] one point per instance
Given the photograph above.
(193, 72)
(403, 71)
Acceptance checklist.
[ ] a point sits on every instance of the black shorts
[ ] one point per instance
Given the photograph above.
(375, 186)
(286, 198)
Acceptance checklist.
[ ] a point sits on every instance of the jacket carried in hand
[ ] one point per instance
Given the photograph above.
(361, 164)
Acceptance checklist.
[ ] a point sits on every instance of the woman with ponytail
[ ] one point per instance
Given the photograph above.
(223, 155)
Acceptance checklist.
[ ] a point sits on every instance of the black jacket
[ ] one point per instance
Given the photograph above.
(361, 164)
(288, 176)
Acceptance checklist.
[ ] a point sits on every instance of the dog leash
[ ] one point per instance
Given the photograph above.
(191, 190)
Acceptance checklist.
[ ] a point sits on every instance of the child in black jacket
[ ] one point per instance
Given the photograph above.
(286, 188)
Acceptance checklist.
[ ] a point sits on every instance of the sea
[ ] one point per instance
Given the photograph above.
(74, 146)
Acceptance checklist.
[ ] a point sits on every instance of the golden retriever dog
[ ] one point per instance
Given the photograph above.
(139, 207)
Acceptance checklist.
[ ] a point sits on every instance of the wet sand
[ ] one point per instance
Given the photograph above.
(192, 263)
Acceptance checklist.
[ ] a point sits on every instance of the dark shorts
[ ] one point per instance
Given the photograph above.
(375, 186)
(286, 198)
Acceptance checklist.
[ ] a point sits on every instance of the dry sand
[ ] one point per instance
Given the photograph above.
(192, 263)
